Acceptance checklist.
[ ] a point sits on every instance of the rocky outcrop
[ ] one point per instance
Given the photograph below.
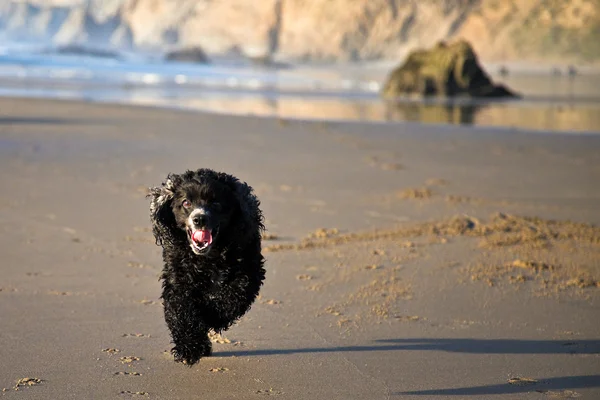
(446, 70)
(190, 55)
(317, 30)
(83, 51)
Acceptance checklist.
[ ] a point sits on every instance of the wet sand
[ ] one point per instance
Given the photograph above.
(404, 261)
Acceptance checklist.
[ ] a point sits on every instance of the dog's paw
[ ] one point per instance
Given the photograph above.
(190, 355)
(186, 359)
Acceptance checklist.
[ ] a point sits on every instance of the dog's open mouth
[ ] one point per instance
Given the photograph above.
(200, 239)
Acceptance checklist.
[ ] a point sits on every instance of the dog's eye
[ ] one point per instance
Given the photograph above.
(217, 207)
(186, 203)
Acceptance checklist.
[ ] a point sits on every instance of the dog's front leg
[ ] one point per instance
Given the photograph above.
(188, 330)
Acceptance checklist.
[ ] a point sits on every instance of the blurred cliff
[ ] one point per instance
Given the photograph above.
(315, 30)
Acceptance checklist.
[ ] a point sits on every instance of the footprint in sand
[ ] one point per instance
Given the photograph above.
(132, 394)
(147, 302)
(415, 194)
(218, 338)
(129, 360)
(269, 392)
(26, 382)
(522, 381)
(136, 335)
(333, 311)
(323, 233)
(60, 293)
(271, 302)
(270, 236)
(219, 369)
(126, 373)
(408, 318)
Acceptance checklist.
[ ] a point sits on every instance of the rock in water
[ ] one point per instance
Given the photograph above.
(80, 50)
(445, 70)
(189, 55)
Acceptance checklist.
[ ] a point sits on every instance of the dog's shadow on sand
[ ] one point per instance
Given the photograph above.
(473, 346)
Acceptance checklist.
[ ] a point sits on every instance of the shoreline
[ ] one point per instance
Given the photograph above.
(404, 260)
(316, 119)
(340, 93)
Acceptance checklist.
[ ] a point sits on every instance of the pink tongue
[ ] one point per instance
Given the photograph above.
(202, 236)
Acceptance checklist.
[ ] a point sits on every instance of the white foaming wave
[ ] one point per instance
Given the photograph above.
(151, 79)
(65, 73)
(181, 79)
(140, 71)
(232, 81)
(254, 84)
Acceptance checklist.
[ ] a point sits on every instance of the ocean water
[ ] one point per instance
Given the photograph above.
(550, 102)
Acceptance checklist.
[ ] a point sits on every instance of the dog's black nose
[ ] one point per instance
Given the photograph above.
(199, 219)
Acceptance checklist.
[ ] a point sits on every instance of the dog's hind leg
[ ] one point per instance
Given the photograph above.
(188, 329)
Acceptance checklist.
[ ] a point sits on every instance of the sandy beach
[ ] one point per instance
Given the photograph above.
(404, 261)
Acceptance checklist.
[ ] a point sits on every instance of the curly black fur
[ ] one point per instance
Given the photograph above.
(210, 289)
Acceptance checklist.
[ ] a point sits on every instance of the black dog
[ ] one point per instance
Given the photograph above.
(209, 225)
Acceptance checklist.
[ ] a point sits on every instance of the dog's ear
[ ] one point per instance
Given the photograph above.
(161, 214)
(251, 214)
(250, 221)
